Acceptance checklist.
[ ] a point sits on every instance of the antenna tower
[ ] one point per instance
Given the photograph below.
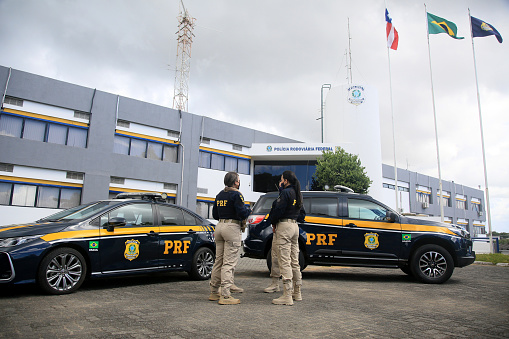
(184, 40)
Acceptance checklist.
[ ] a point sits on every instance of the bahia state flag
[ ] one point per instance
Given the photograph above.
(392, 33)
(482, 28)
(437, 25)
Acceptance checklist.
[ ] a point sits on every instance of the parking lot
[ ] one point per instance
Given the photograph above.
(339, 302)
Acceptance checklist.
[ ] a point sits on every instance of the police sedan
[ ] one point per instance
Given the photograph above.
(134, 233)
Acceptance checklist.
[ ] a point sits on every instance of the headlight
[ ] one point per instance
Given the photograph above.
(10, 242)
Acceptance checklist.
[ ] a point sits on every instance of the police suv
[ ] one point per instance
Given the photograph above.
(135, 233)
(351, 229)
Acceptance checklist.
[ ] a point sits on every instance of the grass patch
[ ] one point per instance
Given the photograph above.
(494, 257)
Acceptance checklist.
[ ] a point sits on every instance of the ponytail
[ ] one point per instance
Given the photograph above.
(292, 179)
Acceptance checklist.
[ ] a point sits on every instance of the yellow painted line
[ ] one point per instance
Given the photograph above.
(426, 228)
(70, 235)
(144, 136)
(134, 231)
(324, 221)
(205, 198)
(46, 117)
(132, 190)
(180, 229)
(39, 181)
(224, 152)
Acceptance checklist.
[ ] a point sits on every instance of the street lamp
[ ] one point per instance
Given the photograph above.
(321, 105)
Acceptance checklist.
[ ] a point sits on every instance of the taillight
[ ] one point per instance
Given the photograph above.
(255, 219)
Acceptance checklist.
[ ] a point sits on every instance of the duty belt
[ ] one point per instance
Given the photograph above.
(288, 220)
(228, 221)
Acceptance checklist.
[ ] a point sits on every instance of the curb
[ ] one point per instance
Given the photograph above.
(501, 264)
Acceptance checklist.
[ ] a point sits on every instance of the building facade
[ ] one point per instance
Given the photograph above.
(62, 144)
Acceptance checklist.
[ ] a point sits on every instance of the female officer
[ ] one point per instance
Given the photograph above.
(283, 218)
(230, 210)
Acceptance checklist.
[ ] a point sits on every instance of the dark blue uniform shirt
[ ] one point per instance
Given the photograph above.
(285, 207)
(229, 204)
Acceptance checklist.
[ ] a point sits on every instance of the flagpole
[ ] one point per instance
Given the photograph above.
(393, 133)
(482, 139)
(435, 120)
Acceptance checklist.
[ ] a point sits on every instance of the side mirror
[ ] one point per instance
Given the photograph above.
(115, 222)
(391, 217)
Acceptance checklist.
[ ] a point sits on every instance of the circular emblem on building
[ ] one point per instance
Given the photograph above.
(269, 148)
(356, 95)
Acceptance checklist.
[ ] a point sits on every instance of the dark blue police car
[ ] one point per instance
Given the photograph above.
(134, 233)
(356, 230)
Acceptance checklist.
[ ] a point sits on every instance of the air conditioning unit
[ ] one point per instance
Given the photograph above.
(481, 213)
(425, 204)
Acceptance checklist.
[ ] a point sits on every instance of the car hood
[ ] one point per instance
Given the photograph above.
(22, 230)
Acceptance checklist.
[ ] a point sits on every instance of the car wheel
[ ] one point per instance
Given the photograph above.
(203, 261)
(302, 260)
(62, 271)
(432, 264)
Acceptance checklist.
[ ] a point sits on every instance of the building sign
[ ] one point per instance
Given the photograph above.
(283, 148)
(356, 95)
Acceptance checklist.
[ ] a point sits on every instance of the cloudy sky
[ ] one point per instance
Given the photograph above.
(261, 64)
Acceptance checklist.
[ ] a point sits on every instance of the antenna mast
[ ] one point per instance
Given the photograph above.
(349, 71)
(184, 40)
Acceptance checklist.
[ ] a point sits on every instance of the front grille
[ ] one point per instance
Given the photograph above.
(6, 270)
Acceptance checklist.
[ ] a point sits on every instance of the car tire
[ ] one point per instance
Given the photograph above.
(432, 264)
(62, 271)
(203, 261)
(302, 260)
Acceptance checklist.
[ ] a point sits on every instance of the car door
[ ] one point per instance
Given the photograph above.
(322, 226)
(367, 235)
(178, 236)
(133, 246)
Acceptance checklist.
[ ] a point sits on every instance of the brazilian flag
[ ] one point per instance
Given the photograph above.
(437, 25)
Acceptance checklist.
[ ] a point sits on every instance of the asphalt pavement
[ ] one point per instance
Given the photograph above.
(339, 302)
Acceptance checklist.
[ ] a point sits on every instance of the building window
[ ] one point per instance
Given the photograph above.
(145, 148)
(204, 209)
(44, 196)
(389, 186)
(446, 198)
(75, 175)
(423, 197)
(117, 180)
(41, 130)
(123, 123)
(224, 162)
(6, 167)
(461, 202)
(173, 134)
(13, 101)
(82, 115)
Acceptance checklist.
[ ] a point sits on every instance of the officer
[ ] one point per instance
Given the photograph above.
(283, 217)
(275, 273)
(231, 211)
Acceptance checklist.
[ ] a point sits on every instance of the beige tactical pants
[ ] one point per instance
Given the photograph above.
(228, 240)
(288, 250)
(274, 270)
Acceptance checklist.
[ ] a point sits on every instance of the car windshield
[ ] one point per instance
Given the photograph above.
(264, 204)
(78, 212)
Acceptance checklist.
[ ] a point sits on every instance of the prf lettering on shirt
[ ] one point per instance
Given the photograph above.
(321, 239)
(222, 202)
(177, 246)
(294, 202)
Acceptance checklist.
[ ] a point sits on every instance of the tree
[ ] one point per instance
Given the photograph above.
(341, 168)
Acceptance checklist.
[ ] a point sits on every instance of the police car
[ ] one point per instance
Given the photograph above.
(134, 233)
(351, 229)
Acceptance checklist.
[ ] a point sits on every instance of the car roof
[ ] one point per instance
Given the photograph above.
(325, 193)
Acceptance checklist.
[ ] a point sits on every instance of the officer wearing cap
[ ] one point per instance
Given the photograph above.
(283, 216)
(231, 211)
